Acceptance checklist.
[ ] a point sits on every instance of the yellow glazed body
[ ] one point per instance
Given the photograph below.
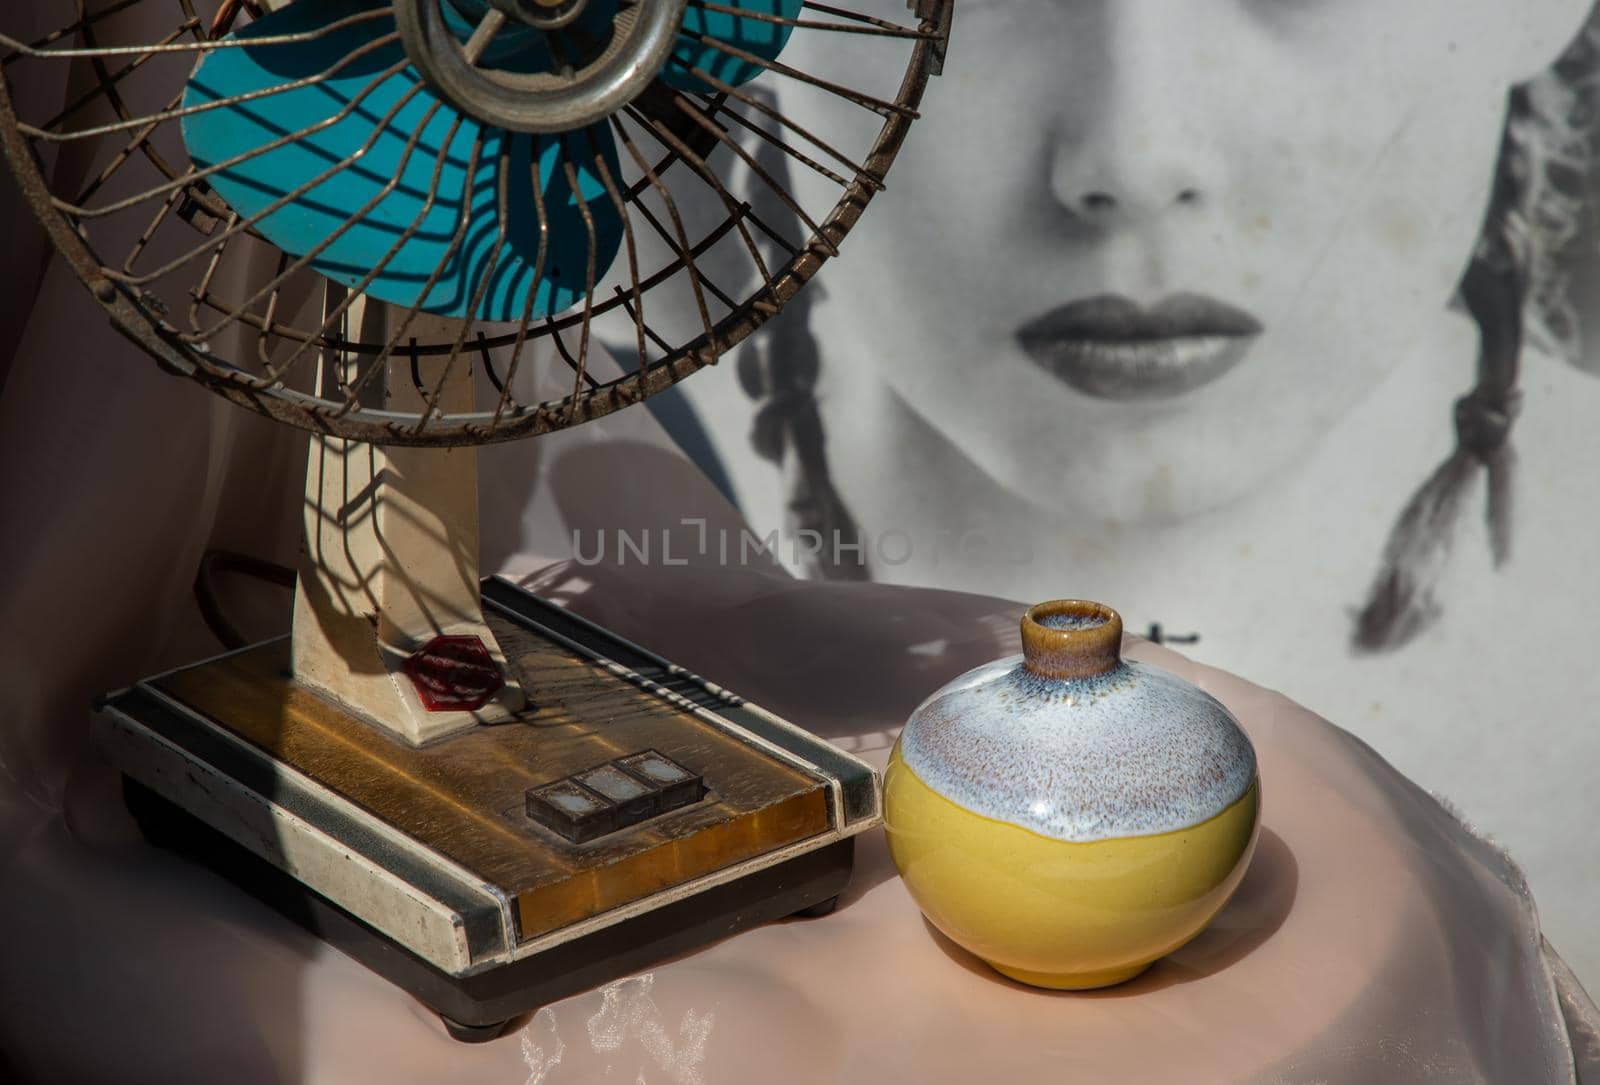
(1057, 913)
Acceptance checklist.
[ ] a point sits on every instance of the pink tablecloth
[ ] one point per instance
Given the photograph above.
(1375, 938)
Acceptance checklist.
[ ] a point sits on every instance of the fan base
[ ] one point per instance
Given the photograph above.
(448, 868)
(478, 1008)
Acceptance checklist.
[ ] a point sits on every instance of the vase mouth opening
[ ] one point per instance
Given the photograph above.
(1071, 638)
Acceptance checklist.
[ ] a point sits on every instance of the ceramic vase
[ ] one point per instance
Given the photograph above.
(1067, 815)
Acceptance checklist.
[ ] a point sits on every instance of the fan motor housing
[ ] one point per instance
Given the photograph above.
(541, 14)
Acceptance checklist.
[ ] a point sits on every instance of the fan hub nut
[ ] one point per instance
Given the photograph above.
(641, 38)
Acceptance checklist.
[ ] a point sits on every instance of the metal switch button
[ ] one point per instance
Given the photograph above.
(614, 795)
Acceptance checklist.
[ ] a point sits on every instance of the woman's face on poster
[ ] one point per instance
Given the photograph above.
(1139, 255)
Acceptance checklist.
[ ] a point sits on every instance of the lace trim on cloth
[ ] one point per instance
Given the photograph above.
(1568, 1003)
(1583, 1018)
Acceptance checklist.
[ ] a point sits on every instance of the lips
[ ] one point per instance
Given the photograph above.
(1111, 348)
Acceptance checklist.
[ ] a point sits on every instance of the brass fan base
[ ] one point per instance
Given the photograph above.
(434, 866)
(477, 1008)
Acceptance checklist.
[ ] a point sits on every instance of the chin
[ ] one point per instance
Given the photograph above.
(1147, 495)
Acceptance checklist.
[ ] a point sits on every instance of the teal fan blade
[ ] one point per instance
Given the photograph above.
(758, 37)
(339, 154)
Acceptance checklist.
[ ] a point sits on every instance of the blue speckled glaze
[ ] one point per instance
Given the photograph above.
(1071, 621)
(1132, 752)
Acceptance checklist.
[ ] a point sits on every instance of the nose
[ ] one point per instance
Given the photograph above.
(1131, 144)
(1110, 200)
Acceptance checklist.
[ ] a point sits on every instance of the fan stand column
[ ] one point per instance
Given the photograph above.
(388, 620)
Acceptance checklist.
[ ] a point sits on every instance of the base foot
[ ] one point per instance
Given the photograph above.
(473, 1034)
(819, 909)
(500, 994)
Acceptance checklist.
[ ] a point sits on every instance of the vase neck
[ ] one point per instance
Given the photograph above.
(1071, 638)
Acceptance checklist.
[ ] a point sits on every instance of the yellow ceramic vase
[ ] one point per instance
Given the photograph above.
(1067, 816)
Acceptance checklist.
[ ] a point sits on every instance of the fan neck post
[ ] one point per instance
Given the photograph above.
(388, 618)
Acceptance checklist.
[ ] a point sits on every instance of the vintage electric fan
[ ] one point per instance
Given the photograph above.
(404, 227)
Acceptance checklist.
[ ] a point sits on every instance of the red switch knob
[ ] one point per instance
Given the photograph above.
(453, 674)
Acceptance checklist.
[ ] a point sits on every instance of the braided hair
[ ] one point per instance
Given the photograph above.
(1517, 289)
(778, 369)
(780, 373)
(1402, 600)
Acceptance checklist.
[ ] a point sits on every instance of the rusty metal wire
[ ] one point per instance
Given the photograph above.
(106, 171)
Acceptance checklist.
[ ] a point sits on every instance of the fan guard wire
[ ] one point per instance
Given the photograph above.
(147, 234)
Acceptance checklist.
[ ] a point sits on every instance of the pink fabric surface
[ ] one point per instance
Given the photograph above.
(1373, 939)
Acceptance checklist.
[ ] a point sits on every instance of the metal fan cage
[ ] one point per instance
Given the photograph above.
(192, 282)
